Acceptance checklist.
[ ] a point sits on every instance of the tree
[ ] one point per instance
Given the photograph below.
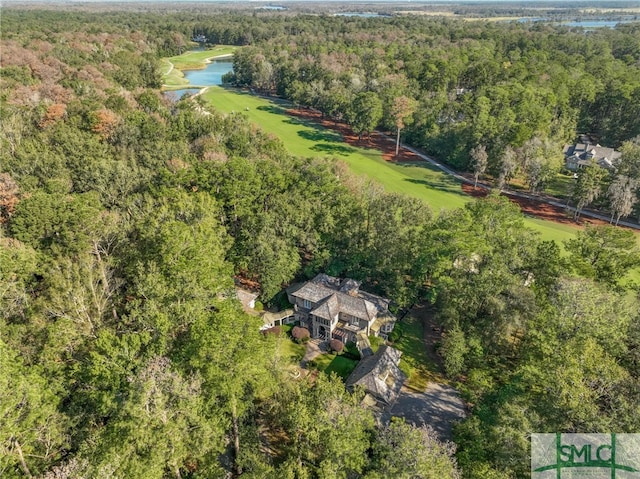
(365, 113)
(585, 310)
(479, 160)
(540, 161)
(622, 196)
(405, 452)
(604, 253)
(162, 426)
(588, 186)
(32, 429)
(453, 349)
(62, 223)
(508, 167)
(9, 196)
(229, 353)
(402, 110)
(327, 434)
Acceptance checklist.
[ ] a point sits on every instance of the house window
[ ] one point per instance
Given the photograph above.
(306, 303)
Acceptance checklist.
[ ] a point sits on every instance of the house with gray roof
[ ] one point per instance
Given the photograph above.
(334, 308)
(379, 376)
(582, 155)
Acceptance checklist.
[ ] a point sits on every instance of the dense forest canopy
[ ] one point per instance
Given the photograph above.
(124, 218)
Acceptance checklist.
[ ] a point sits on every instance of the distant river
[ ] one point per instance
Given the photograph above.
(211, 75)
(595, 23)
(587, 24)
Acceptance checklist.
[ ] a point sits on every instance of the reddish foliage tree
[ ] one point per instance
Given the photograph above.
(336, 345)
(104, 123)
(54, 113)
(300, 334)
(276, 330)
(8, 196)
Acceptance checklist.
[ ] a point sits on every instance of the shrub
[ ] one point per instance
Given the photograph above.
(301, 335)
(351, 351)
(395, 335)
(276, 330)
(336, 345)
(376, 342)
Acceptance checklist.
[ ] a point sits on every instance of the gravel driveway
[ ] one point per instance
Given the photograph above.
(439, 406)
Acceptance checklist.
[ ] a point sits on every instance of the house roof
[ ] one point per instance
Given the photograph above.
(328, 309)
(332, 295)
(246, 298)
(379, 375)
(269, 318)
(583, 153)
(381, 320)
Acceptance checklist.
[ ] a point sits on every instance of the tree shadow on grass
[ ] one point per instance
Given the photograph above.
(320, 135)
(445, 186)
(276, 110)
(333, 149)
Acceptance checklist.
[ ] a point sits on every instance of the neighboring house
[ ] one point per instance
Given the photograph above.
(334, 308)
(379, 376)
(581, 155)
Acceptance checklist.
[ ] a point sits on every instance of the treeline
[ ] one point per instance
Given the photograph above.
(515, 92)
(123, 352)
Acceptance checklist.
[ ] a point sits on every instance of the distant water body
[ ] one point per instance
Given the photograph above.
(361, 14)
(588, 24)
(595, 23)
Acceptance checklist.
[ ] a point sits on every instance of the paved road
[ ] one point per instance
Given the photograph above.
(439, 407)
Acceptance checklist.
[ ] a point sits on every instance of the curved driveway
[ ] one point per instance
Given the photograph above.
(438, 407)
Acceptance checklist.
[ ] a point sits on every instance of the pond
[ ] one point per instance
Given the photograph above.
(210, 75)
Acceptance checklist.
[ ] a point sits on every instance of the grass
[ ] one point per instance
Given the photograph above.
(288, 348)
(561, 186)
(304, 138)
(332, 363)
(422, 180)
(415, 360)
(195, 60)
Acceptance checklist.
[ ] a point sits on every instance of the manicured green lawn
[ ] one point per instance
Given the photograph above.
(196, 59)
(331, 363)
(304, 138)
(288, 348)
(414, 356)
(308, 139)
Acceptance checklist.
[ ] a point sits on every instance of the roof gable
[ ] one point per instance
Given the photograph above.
(379, 374)
(345, 297)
